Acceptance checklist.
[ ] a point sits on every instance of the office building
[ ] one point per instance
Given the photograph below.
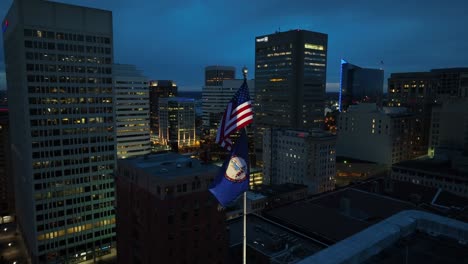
(215, 99)
(411, 89)
(449, 127)
(7, 199)
(294, 156)
(451, 82)
(359, 85)
(415, 88)
(132, 111)
(159, 89)
(419, 91)
(416, 92)
(165, 213)
(59, 75)
(290, 77)
(177, 122)
(377, 135)
(216, 75)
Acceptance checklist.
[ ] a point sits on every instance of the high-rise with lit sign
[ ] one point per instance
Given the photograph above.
(59, 75)
(290, 78)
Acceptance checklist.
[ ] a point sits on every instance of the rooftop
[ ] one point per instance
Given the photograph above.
(277, 189)
(337, 215)
(431, 166)
(414, 193)
(409, 235)
(273, 240)
(420, 247)
(170, 165)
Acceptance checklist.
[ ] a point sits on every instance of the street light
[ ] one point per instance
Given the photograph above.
(9, 244)
(5, 229)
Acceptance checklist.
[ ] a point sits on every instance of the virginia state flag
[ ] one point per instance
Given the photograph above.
(233, 177)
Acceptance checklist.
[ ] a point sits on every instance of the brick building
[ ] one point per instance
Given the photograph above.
(165, 213)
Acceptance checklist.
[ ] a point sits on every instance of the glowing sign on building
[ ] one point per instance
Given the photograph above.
(264, 39)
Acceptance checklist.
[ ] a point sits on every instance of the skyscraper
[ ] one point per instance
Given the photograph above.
(215, 75)
(360, 85)
(132, 111)
(159, 89)
(290, 77)
(59, 75)
(177, 122)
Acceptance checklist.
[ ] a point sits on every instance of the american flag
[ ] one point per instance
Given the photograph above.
(238, 114)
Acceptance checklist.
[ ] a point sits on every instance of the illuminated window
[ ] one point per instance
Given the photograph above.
(313, 46)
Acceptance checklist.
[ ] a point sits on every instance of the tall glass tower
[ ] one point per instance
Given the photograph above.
(360, 85)
(290, 78)
(59, 76)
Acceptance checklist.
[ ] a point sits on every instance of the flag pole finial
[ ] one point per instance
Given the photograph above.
(244, 72)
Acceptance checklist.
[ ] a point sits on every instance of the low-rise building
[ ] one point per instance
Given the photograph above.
(449, 175)
(300, 157)
(368, 133)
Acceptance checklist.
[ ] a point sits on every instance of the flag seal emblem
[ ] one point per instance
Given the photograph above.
(236, 170)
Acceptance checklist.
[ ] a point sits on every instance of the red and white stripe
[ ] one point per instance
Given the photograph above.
(232, 121)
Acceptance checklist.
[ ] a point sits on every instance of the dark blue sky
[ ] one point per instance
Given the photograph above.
(176, 39)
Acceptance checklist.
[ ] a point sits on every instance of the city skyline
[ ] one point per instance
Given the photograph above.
(171, 42)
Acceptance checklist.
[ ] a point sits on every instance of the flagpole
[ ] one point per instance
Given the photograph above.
(244, 243)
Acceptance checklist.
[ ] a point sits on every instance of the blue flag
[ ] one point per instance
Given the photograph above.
(233, 177)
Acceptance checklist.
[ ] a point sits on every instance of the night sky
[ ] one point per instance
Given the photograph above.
(176, 39)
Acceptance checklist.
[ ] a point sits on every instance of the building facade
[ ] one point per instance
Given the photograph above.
(449, 127)
(165, 213)
(416, 92)
(377, 135)
(159, 89)
(177, 122)
(132, 111)
(451, 82)
(216, 98)
(448, 175)
(7, 199)
(290, 77)
(59, 75)
(216, 75)
(293, 156)
(359, 84)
